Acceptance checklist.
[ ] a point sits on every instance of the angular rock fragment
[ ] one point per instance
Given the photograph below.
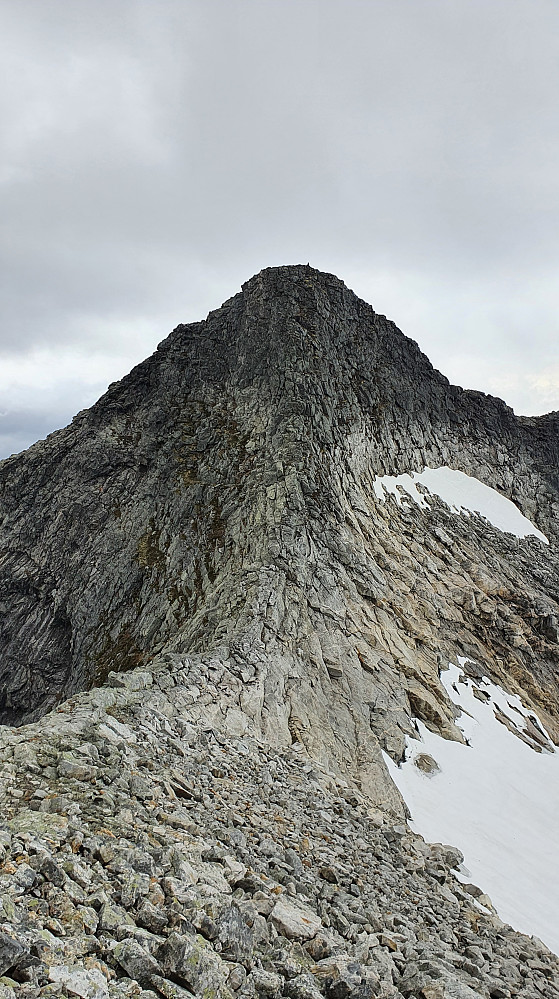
(295, 922)
(78, 981)
(11, 951)
(136, 961)
(193, 964)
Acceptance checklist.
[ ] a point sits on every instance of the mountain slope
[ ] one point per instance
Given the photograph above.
(145, 846)
(222, 494)
(225, 503)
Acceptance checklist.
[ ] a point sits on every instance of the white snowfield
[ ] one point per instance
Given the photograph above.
(496, 799)
(462, 493)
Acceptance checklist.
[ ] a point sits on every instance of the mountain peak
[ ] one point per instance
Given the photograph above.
(287, 524)
(249, 439)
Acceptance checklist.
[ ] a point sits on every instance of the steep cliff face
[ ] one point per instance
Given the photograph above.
(221, 497)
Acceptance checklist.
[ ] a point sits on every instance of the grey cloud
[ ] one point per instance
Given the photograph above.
(156, 155)
(20, 428)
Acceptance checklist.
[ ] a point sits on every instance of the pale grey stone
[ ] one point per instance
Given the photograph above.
(88, 984)
(294, 921)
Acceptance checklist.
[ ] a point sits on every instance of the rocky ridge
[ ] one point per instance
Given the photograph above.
(148, 850)
(206, 550)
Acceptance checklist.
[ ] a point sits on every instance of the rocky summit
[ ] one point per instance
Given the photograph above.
(227, 602)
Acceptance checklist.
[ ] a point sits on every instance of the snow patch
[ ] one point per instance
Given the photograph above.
(464, 494)
(398, 485)
(496, 799)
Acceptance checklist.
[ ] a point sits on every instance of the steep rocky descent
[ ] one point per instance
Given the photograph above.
(148, 849)
(221, 497)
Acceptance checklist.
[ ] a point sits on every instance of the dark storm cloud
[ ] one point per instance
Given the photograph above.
(154, 156)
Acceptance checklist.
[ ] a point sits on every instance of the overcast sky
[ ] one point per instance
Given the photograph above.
(157, 153)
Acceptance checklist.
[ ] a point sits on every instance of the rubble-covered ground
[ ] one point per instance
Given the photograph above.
(144, 852)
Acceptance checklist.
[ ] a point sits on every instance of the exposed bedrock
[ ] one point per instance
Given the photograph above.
(220, 498)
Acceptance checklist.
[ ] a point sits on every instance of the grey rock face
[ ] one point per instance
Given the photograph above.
(198, 576)
(220, 497)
